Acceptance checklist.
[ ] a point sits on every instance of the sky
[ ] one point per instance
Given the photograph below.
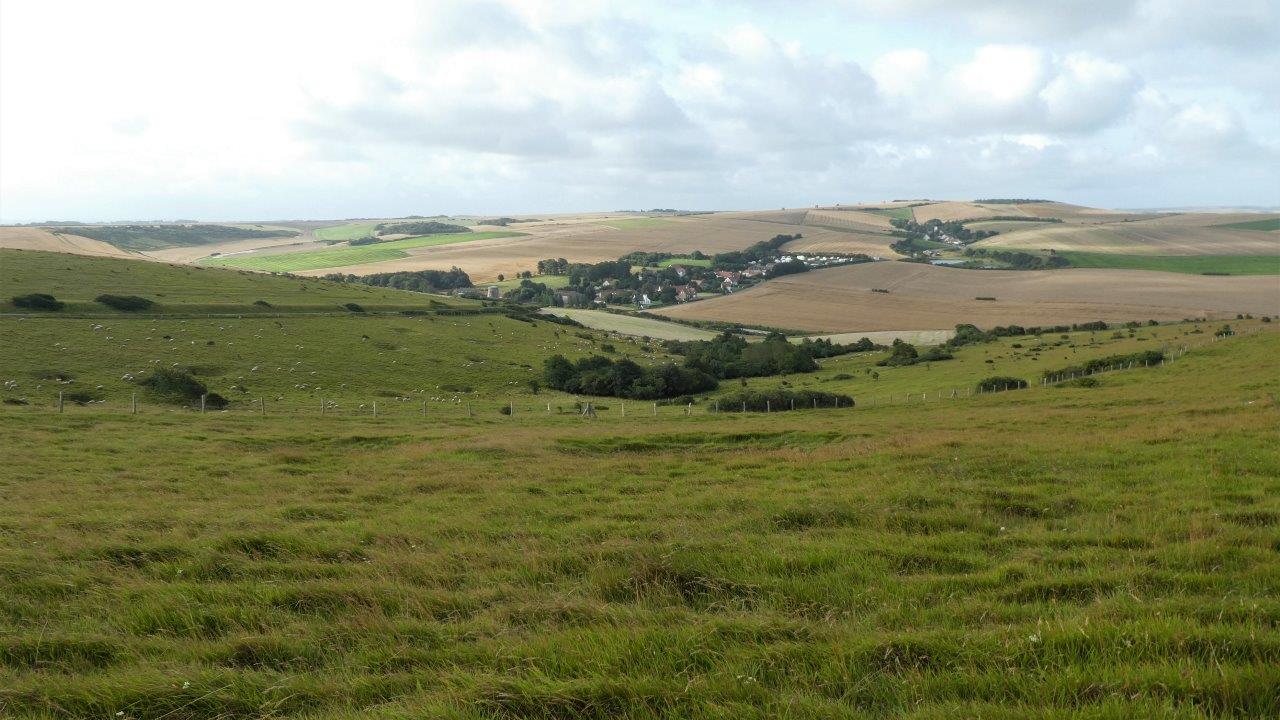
(320, 110)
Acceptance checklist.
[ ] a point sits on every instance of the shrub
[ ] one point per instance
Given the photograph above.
(1000, 383)
(262, 303)
(38, 301)
(177, 385)
(124, 303)
(354, 307)
(781, 400)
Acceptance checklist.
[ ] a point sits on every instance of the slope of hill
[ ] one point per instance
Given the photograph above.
(1053, 552)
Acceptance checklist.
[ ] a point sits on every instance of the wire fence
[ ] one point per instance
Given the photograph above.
(586, 407)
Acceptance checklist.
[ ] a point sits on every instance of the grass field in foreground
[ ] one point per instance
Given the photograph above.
(1107, 552)
(344, 256)
(350, 231)
(1267, 225)
(1190, 264)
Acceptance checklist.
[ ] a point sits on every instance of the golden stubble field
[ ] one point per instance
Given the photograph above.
(34, 238)
(1172, 234)
(925, 297)
(594, 239)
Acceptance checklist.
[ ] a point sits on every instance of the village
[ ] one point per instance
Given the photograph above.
(658, 281)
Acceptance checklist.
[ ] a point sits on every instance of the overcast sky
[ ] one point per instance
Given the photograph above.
(276, 110)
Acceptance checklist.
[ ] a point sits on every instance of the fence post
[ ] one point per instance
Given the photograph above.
(375, 409)
(793, 403)
(135, 403)
(469, 410)
(767, 406)
(717, 406)
(424, 408)
(815, 403)
(624, 408)
(655, 409)
(511, 408)
(548, 408)
(262, 407)
(59, 401)
(744, 406)
(202, 403)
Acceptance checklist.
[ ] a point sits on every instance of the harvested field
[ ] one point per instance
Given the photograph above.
(632, 325)
(1161, 235)
(34, 238)
(593, 239)
(886, 337)
(850, 220)
(926, 297)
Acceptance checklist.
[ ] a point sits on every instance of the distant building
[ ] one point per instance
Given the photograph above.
(570, 298)
(494, 292)
(645, 302)
(686, 293)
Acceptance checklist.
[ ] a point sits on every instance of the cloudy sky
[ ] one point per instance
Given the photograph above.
(274, 110)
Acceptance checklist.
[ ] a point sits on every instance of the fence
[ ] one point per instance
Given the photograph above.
(593, 407)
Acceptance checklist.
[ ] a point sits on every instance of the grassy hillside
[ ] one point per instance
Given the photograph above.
(1194, 264)
(350, 231)
(346, 256)
(1264, 225)
(1060, 552)
(78, 279)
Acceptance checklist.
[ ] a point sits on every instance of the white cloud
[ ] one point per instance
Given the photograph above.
(291, 108)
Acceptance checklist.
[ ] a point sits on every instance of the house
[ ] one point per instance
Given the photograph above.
(645, 302)
(733, 275)
(494, 292)
(681, 271)
(754, 271)
(686, 293)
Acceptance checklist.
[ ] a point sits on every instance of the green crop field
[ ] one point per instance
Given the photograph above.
(1191, 264)
(902, 213)
(350, 231)
(1055, 552)
(555, 282)
(345, 256)
(1267, 225)
(695, 262)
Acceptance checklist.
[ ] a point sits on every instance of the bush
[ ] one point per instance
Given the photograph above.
(354, 307)
(38, 301)
(262, 303)
(1145, 358)
(177, 385)
(1000, 383)
(125, 303)
(781, 400)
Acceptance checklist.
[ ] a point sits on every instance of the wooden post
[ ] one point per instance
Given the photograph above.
(744, 406)
(59, 401)
(655, 409)
(767, 406)
(548, 408)
(202, 403)
(262, 407)
(511, 408)
(624, 407)
(375, 409)
(793, 403)
(815, 403)
(468, 409)
(688, 409)
(717, 406)
(424, 408)
(135, 403)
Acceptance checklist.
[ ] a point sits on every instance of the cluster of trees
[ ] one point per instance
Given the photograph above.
(902, 353)
(504, 221)
(1143, 358)
(1021, 260)
(38, 301)
(597, 375)
(823, 348)
(417, 280)
(428, 227)
(125, 303)
(731, 356)
(180, 385)
(791, 267)
(532, 293)
(150, 237)
(1001, 383)
(759, 252)
(1010, 201)
(366, 240)
(912, 230)
(782, 400)
(642, 258)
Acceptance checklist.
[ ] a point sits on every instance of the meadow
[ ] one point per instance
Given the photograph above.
(1104, 552)
(349, 231)
(346, 256)
(1193, 264)
(1264, 225)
